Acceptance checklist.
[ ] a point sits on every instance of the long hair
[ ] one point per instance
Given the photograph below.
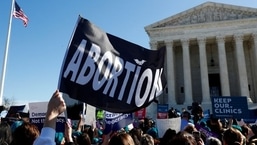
(121, 139)
(136, 134)
(84, 139)
(233, 137)
(5, 134)
(182, 138)
(168, 135)
(25, 134)
(147, 139)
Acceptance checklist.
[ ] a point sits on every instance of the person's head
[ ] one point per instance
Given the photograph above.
(182, 138)
(197, 111)
(186, 115)
(147, 139)
(232, 136)
(190, 128)
(121, 139)
(151, 123)
(148, 122)
(253, 141)
(254, 129)
(88, 130)
(5, 133)
(25, 134)
(84, 139)
(136, 134)
(168, 135)
(215, 125)
(246, 131)
(213, 141)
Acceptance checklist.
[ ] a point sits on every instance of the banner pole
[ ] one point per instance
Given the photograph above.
(6, 54)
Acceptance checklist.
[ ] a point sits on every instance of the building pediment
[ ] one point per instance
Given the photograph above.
(206, 13)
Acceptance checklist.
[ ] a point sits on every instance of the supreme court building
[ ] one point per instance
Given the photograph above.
(211, 50)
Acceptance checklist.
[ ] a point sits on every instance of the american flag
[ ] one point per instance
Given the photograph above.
(18, 13)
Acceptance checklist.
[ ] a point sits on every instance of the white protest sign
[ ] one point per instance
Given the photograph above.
(164, 124)
(37, 114)
(90, 118)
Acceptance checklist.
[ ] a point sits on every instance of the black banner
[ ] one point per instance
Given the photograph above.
(110, 73)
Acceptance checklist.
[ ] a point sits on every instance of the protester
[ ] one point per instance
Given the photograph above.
(173, 113)
(56, 106)
(121, 139)
(83, 131)
(83, 139)
(17, 121)
(100, 115)
(153, 131)
(253, 139)
(216, 127)
(190, 128)
(247, 132)
(16, 124)
(168, 135)
(213, 141)
(185, 119)
(253, 142)
(197, 112)
(233, 136)
(145, 125)
(86, 134)
(146, 139)
(26, 134)
(184, 138)
(5, 133)
(136, 134)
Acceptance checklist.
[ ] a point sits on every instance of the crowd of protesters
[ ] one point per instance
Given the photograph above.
(224, 132)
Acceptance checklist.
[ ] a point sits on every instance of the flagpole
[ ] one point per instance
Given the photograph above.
(6, 54)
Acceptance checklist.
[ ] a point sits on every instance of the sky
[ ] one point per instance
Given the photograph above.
(36, 52)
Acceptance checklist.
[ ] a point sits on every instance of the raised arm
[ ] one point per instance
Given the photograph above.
(56, 106)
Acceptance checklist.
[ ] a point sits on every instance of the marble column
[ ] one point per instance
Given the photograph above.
(242, 74)
(224, 81)
(187, 72)
(204, 71)
(254, 38)
(152, 108)
(170, 72)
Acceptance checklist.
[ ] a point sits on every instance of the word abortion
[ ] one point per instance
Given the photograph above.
(105, 71)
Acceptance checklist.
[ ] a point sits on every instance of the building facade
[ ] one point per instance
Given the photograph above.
(211, 50)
